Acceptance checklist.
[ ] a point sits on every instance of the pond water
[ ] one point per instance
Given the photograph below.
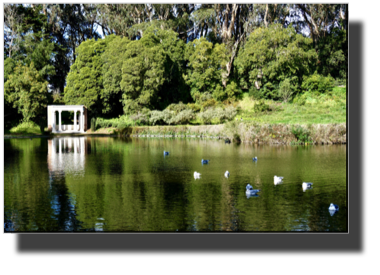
(118, 184)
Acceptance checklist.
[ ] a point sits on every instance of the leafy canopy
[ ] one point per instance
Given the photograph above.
(272, 55)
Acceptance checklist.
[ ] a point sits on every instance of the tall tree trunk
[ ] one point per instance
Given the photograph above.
(232, 22)
(225, 24)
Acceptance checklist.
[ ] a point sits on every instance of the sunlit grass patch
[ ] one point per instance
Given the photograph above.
(25, 128)
(311, 108)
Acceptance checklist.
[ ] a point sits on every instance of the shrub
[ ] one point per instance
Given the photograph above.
(300, 99)
(318, 83)
(285, 90)
(122, 125)
(206, 116)
(255, 93)
(260, 106)
(300, 133)
(140, 118)
(182, 117)
(194, 106)
(176, 108)
(208, 103)
(229, 93)
(230, 112)
(156, 117)
(218, 114)
(340, 82)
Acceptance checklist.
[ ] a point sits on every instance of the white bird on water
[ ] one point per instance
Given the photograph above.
(277, 180)
(227, 174)
(197, 175)
(333, 207)
(306, 185)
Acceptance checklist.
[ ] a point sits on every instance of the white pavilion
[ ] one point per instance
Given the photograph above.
(80, 118)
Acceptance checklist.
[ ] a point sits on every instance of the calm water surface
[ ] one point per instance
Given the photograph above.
(114, 184)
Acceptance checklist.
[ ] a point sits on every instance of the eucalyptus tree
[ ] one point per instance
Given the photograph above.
(69, 25)
(327, 27)
(118, 18)
(321, 18)
(12, 28)
(271, 13)
(231, 24)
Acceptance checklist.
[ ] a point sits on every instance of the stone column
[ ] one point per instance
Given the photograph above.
(54, 123)
(60, 125)
(82, 120)
(75, 121)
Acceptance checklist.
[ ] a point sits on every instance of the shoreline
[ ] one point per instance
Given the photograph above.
(237, 132)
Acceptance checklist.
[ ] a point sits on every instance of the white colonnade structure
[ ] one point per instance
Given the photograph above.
(80, 118)
(67, 154)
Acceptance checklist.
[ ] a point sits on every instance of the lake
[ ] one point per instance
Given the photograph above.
(127, 185)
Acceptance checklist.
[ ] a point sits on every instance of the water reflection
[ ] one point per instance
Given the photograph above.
(251, 195)
(67, 154)
(332, 212)
(112, 184)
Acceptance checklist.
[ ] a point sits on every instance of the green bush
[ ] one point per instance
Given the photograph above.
(340, 82)
(260, 106)
(255, 93)
(300, 133)
(194, 106)
(300, 99)
(161, 117)
(285, 90)
(182, 117)
(122, 125)
(318, 83)
(176, 108)
(140, 118)
(217, 115)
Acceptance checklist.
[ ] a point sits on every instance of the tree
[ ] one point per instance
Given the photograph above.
(206, 70)
(85, 80)
(12, 28)
(112, 60)
(27, 90)
(272, 55)
(142, 74)
(174, 89)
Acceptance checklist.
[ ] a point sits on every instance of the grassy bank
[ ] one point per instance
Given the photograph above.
(309, 108)
(250, 132)
(308, 118)
(236, 131)
(24, 129)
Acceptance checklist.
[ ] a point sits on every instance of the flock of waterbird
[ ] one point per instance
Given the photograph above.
(250, 192)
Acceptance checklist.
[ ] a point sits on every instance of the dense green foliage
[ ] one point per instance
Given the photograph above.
(272, 55)
(85, 80)
(27, 90)
(138, 59)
